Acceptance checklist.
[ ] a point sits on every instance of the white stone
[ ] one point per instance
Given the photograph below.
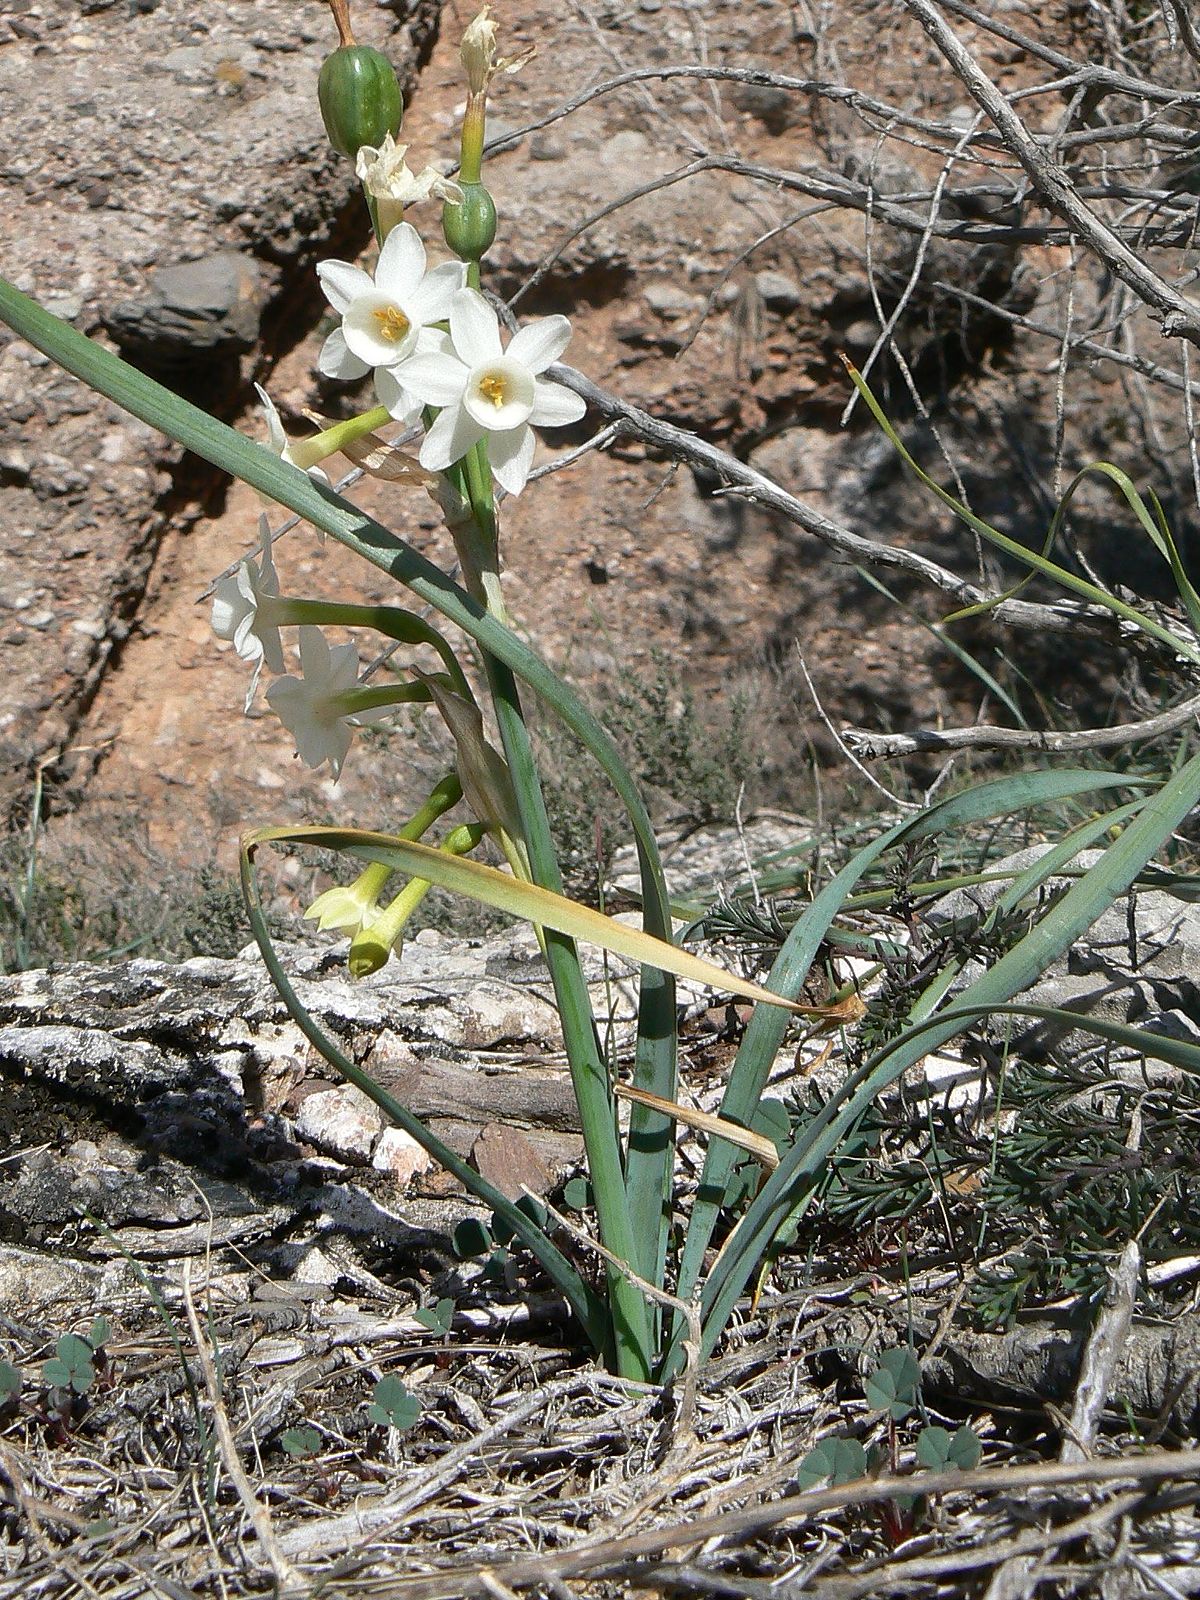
(341, 1121)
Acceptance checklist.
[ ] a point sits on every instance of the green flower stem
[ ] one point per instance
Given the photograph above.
(371, 947)
(470, 165)
(308, 452)
(352, 702)
(631, 1321)
(287, 611)
(445, 794)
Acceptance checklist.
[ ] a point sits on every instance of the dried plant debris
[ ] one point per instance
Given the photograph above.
(207, 1448)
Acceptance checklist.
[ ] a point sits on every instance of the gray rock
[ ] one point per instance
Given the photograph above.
(779, 291)
(202, 309)
(1136, 961)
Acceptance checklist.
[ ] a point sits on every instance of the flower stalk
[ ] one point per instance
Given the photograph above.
(377, 940)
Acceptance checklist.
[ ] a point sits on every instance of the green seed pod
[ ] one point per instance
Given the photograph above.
(360, 98)
(470, 227)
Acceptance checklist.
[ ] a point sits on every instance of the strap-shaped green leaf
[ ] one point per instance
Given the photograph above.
(529, 901)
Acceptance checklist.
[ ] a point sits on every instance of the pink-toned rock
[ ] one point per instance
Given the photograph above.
(400, 1156)
(342, 1122)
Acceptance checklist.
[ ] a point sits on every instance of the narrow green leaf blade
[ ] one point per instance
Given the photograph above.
(1015, 971)
(530, 901)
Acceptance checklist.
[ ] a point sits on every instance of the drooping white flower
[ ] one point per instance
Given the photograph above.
(321, 708)
(385, 319)
(487, 391)
(293, 453)
(240, 614)
(386, 176)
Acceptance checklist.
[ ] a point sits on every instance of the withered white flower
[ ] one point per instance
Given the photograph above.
(386, 176)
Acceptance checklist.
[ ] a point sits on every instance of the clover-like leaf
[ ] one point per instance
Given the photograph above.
(72, 1365)
(10, 1382)
(894, 1385)
(438, 1318)
(577, 1194)
(835, 1461)
(301, 1443)
(471, 1238)
(939, 1449)
(393, 1406)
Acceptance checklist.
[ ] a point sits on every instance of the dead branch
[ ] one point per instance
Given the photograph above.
(880, 746)
(1180, 317)
(748, 483)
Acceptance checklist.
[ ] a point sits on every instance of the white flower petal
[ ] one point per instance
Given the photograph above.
(436, 379)
(378, 331)
(554, 405)
(232, 601)
(276, 436)
(337, 360)
(401, 262)
(342, 282)
(511, 456)
(474, 328)
(539, 343)
(430, 301)
(314, 656)
(451, 436)
(343, 668)
(392, 394)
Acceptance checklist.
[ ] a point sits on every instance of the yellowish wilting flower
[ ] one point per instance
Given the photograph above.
(351, 907)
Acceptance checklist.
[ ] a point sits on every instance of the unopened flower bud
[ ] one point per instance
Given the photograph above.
(469, 227)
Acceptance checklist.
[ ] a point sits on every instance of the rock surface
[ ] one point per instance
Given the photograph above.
(693, 299)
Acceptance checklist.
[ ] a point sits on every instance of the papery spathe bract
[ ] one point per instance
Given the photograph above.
(239, 611)
(488, 392)
(385, 319)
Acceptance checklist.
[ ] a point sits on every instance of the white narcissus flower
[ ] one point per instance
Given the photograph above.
(316, 709)
(487, 391)
(385, 175)
(277, 440)
(387, 318)
(239, 612)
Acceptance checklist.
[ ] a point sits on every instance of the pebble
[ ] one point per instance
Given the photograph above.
(778, 291)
